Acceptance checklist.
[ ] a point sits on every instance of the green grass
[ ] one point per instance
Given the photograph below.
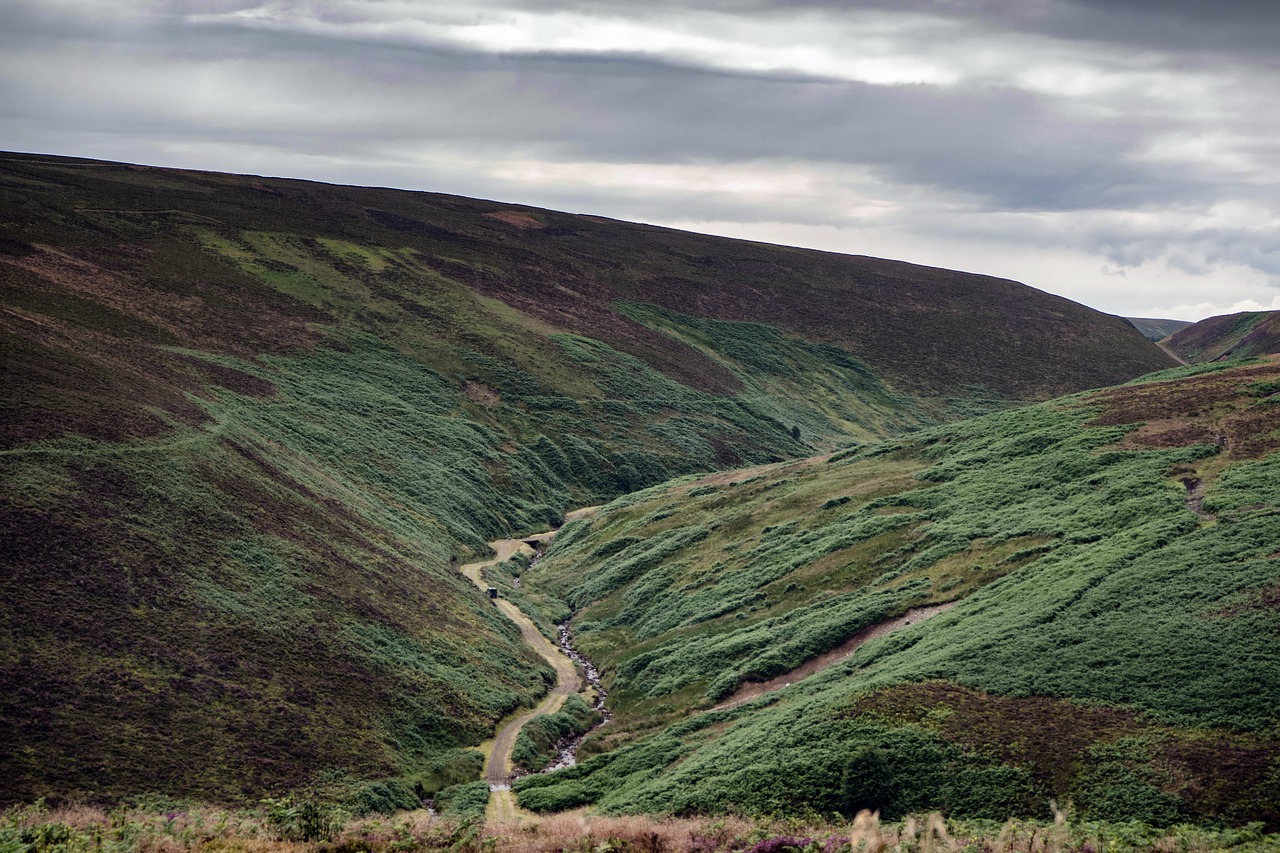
(465, 800)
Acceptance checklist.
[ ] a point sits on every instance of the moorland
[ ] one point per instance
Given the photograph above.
(253, 428)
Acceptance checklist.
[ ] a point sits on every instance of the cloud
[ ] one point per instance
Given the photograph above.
(1137, 136)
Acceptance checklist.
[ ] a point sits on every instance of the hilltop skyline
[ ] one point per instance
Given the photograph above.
(1121, 158)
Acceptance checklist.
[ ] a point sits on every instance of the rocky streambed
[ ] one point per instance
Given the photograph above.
(567, 749)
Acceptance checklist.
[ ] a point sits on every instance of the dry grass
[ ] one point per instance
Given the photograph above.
(83, 829)
(577, 831)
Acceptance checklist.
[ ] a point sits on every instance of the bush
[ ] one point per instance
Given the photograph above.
(385, 797)
(305, 820)
(867, 783)
(467, 800)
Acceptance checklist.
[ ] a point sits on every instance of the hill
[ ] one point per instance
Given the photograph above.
(1085, 601)
(1228, 336)
(250, 426)
(1157, 330)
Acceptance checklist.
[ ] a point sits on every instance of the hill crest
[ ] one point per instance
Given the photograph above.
(1248, 333)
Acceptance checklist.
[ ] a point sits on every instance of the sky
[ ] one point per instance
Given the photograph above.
(1121, 153)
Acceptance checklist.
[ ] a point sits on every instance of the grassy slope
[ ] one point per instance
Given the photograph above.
(1156, 330)
(247, 422)
(1111, 645)
(1248, 333)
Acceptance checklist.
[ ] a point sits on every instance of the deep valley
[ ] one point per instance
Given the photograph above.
(870, 535)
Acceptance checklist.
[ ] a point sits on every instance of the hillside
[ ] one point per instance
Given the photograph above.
(1111, 562)
(1157, 330)
(251, 425)
(1241, 335)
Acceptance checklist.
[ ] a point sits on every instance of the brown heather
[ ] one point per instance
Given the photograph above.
(81, 829)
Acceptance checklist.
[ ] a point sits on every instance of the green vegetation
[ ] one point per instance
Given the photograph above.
(1085, 579)
(307, 820)
(536, 744)
(251, 427)
(817, 388)
(466, 800)
(239, 462)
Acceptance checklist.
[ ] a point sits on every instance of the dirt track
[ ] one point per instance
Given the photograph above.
(497, 768)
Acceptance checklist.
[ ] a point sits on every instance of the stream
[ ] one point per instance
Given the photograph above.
(567, 749)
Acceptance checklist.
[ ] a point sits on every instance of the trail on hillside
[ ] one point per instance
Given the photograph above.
(1173, 355)
(755, 689)
(497, 768)
(1195, 498)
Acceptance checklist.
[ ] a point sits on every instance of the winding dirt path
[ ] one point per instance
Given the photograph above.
(497, 767)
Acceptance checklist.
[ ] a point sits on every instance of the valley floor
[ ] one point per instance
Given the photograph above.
(498, 762)
(497, 767)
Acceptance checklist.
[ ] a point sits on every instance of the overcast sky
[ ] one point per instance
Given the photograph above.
(1122, 154)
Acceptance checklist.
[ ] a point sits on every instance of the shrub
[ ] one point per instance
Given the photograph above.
(305, 819)
(469, 799)
(385, 797)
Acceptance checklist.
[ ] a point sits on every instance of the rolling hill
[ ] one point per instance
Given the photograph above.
(250, 426)
(1228, 336)
(1085, 597)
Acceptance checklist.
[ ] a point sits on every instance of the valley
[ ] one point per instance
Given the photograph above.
(858, 534)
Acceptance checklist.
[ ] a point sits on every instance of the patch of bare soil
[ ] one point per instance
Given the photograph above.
(1195, 498)
(518, 218)
(480, 393)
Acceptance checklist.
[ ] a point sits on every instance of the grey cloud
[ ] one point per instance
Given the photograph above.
(1002, 148)
(1189, 31)
(372, 106)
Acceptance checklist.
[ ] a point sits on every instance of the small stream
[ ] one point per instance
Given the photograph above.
(567, 749)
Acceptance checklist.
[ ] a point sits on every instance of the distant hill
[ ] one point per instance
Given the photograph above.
(250, 426)
(1112, 562)
(1157, 330)
(1248, 333)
